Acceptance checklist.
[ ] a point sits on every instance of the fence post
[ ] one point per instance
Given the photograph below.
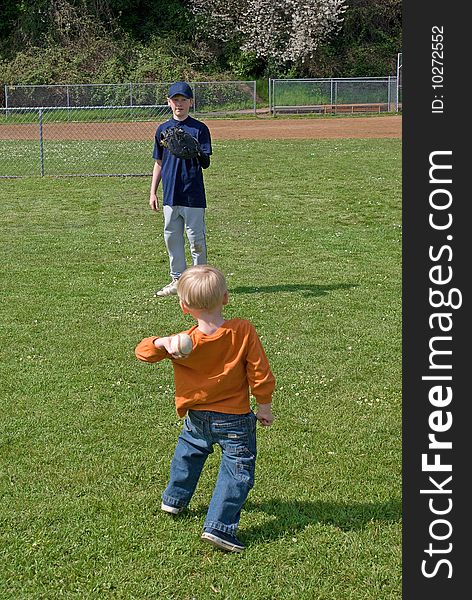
(395, 91)
(68, 102)
(6, 100)
(41, 145)
(270, 98)
(130, 93)
(255, 94)
(399, 66)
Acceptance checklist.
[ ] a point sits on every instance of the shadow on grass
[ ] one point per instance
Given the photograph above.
(288, 517)
(307, 289)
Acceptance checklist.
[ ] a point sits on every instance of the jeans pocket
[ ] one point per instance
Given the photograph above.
(192, 426)
(238, 442)
(187, 424)
(245, 467)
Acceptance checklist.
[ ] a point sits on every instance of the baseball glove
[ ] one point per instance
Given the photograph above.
(180, 143)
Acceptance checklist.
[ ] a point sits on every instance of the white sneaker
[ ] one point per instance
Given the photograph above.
(168, 290)
(173, 510)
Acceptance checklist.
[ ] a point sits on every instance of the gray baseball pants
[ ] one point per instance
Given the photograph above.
(178, 219)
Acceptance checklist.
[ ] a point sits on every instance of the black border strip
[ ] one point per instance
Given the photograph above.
(436, 300)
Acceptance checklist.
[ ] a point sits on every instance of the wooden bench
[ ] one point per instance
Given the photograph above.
(334, 108)
(357, 108)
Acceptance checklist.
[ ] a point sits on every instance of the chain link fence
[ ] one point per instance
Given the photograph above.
(108, 129)
(210, 97)
(98, 140)
(333, 95)
(99, 129)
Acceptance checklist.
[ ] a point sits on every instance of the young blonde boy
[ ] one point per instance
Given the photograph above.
(212, 388)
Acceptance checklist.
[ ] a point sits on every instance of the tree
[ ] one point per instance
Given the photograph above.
(367, 44)
(280, 31)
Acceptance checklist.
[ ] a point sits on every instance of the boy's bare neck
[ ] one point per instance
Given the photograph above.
(209, 322)
(179, 117)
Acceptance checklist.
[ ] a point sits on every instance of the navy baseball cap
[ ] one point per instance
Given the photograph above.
(182, 88)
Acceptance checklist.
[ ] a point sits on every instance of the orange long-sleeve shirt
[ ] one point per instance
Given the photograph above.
(220, 371)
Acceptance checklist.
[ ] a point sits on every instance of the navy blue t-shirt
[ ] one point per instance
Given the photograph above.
(182, 179)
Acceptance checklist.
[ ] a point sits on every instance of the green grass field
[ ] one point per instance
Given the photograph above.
(308, 234)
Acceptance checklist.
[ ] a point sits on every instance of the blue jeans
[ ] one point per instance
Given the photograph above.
(236, 435)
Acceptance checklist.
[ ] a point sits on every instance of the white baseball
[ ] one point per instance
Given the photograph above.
(181, 345)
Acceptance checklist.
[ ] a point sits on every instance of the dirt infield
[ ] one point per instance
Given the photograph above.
(353, 127)
(230, 129)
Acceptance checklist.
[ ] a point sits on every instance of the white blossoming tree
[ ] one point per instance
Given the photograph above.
(281, 31)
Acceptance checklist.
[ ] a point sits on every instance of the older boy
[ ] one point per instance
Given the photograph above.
(184, 199)
(212, 389)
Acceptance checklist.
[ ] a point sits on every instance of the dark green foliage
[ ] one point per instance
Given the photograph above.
(367, 45)
(143, 19)
(9, 12)
(100, 41)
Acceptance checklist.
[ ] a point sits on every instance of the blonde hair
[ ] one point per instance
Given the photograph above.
(202, 287)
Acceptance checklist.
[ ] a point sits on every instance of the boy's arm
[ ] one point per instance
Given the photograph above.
(204, 139)
(204, 160)
(261, 379)
(156, 179)
(154, 349)
(151, 350)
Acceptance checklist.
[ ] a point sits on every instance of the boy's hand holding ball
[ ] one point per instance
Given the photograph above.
(178, 346)
(181, 345)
